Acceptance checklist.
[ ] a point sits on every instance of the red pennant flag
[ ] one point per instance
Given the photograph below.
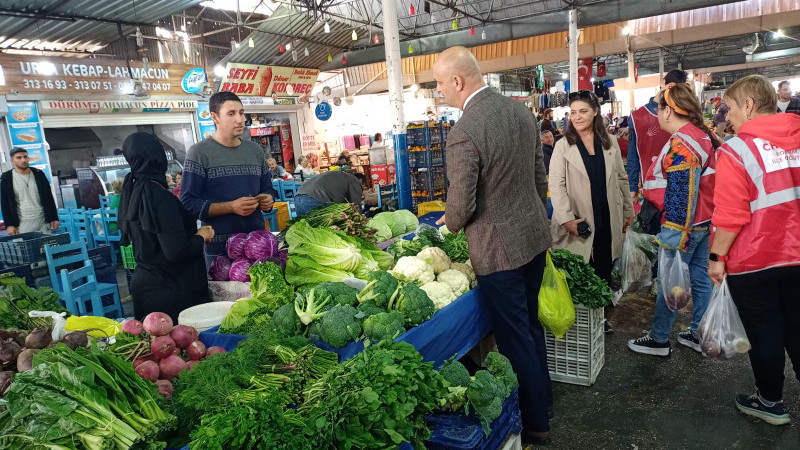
(635, 73)
(601, 69)
(585, 66)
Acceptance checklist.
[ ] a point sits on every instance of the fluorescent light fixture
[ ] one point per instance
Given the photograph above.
(251, 43)
(327, 27)
(564, 76)
(289, 46)
(354, 36)
(414, 87)
(2, 77)
(592, 79)
(778, 34)
(690, 76)
(305, 51)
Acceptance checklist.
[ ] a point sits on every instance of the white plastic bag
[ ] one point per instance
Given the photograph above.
(721, 332)
(673, 276)
(228, 291)
(59, 322)
(636, 266)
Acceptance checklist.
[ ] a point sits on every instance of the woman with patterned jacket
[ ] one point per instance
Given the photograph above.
(681, 183)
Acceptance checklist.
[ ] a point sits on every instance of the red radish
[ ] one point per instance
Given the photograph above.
(196, 351)
(148, 370)
(164, 388)
(132, 326)
(214, 350)
(171, 366)
(157, 324)
(143, 358)
(190, 364)
(162, 347)
(176, 352)
(183, 335)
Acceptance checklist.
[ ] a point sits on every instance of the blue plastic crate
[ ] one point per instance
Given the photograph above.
(437, 158)
(28, 248)
(418, 159)
(421, 181)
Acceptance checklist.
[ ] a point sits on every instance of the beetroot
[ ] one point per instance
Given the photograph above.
(164, 388)
(171, 366)
(39, 338)
(162, 347)
(183, 335)
(25, 359)
(157, 324)
(196, 351)
(132, 326)
(214, 350)
(143, 358)
(148, 370)
(190, 364)
(5, 381)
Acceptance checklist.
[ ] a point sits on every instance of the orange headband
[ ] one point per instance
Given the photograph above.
(672, 104)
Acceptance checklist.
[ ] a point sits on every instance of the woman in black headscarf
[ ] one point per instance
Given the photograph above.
(170, 271)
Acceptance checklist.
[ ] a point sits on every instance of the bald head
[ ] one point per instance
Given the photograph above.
(457, 75)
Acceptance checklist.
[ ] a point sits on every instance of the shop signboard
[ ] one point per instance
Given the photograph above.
(26, 131)
(207, 127)
(260, 81)
(193, 80)
(72, 106)
(84, 76)
(323, 111)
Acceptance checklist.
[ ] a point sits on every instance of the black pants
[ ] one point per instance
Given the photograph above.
(513, 299)
(769, 306)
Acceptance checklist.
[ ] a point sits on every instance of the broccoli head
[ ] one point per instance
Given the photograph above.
(499, 366)
(455, 373)
(340, 293)
(385, 325)
(367, 309)
(382, 288)
(285, 321)
(489, 413)
(309, 305)
(268, 285)
(339, 326)
(415, 305)
(482, 389)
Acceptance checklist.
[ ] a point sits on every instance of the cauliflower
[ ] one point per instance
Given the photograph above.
(435, 257)
(458, 282)
(412, 268)
(440, 293)
(466, 270)
(443, 229)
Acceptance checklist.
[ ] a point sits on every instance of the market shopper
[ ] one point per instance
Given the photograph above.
(226, 181)
(681, 182)
(304, 168)
(787, 103)
(333, 186)
(497, 195)
(548, 124)
(178, 180)
(276, 172)
(547, 148)
(344, 158)
(170, 273)
(26, 198)
(756, 246)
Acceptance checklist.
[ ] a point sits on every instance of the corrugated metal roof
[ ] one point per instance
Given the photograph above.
(78, 35)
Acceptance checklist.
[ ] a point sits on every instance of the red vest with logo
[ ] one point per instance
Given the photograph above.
(655, 182)
(770, 239)
(650, 138)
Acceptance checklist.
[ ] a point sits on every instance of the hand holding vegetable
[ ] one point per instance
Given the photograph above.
(572, 226)
(265, 202)
(244, 206)
(206, 232)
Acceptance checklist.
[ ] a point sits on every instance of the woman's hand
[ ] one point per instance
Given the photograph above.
(206, 232)
(627, 222)
(572, 226)
(716, 271)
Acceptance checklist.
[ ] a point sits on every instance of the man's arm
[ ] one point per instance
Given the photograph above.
(193, 186)
(462, 172)
(8, 204)
(633, 159)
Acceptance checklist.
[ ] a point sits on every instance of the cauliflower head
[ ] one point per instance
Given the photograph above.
(436, 257)
(412, 268)
(458, 282)
(439, 293)
(466, 270)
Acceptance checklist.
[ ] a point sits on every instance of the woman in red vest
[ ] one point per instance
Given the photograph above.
(681, 183)
(756, 243)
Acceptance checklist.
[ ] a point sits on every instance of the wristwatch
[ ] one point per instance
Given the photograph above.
(715, 257)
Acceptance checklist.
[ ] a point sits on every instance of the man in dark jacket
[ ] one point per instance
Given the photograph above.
(25, 197)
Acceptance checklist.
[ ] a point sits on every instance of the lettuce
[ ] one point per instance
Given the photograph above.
(323, 246)
(383, 233)
(395, 222)
(302, 271)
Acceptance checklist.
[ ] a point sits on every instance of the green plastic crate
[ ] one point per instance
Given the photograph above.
(127, 257)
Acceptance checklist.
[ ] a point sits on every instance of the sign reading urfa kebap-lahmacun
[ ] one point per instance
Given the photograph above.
(261, 81)
(48, 75)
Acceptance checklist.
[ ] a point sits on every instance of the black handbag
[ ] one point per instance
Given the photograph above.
(650, 217)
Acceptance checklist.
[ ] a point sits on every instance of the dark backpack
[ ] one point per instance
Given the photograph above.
(650, 217)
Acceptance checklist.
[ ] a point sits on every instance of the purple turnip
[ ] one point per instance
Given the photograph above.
(164, 388)
(211, 351)
(171, 367)
(76, 339)
(191, 364)
(148, 370)
(157, 324)
(39, 338)
(162, 347)
(5, 381)
(13, 335)
(143, 358)
(183, 335)
(9, 351)
(196, 351)
(133, 327)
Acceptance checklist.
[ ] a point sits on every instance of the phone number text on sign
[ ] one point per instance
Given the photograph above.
(81, 85)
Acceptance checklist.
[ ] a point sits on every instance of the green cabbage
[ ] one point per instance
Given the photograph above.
(396, 223)
(322, 246)
(384, 233)
(409, 218)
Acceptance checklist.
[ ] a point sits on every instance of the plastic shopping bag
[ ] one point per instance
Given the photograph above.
(635, 263)
(556, 311)
(721, 331)
(673, 276)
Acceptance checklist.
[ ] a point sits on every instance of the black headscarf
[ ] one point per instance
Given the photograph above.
(141, 187)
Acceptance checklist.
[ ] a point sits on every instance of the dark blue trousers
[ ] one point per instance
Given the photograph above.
(513, 300)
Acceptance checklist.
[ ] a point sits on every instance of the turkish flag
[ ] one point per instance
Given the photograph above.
(601, 69)
(585, 74)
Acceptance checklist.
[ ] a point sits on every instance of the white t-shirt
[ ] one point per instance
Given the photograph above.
(29, 207)
(783, 105)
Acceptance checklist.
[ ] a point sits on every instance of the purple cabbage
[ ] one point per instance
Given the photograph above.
(220, 269)
(260, 244)
(239, 270)
(236, 246)
(283, 255)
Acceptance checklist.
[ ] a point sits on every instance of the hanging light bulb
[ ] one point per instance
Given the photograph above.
(145, 63)
(282, 48)
(330, 58)
(377, 40)
(483, 35)
(455, 25)
(354, 36)
(294, 55)
(344, 59)
(234, 45)
(251, 43)
(410, 48)
(305, 51)
(472, 31)
(289, 46)
(411, 9)
(139, 37)
(327, 27)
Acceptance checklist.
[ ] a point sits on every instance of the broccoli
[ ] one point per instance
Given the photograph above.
(382, 288)
(339, 326)
(308, 305)
(485, 395)
(367, 309)
(268, 285)
(285, 321)
(341, 293)
(386, 325)
(455, 373)
(430, 233)
(499, 366)
(489, 413)
(313, 331)
(415, 305)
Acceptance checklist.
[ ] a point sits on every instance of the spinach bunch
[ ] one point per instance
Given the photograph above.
(585, 286)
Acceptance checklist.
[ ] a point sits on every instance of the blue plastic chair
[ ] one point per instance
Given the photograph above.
(287, 190)
(386, 193)
(79, 226)
(105, 201)
(70, 258)
(276, 184)
(71, 204)
(81, 287)
(101, 230)
(272, 217)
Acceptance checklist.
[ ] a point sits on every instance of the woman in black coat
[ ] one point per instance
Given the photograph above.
(170, 271)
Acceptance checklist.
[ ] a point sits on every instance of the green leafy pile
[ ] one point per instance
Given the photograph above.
(376, 400)
(338, 216)
(456, 247)
(17, 299)
(81, 398)
(269, 292)
(585, 286)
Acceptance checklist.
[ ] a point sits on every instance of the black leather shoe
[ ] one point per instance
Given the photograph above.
(535, 438)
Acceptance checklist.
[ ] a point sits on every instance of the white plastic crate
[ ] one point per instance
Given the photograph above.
(578, 357)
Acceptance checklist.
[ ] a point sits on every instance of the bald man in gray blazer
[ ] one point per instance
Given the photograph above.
(498, 196)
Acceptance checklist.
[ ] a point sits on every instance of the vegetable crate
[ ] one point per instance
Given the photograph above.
(282, 209)
(437, 158)
(25, 271)
(428, 207)
(28, 248)
(127, 257)
(418, 158)
(578, 357)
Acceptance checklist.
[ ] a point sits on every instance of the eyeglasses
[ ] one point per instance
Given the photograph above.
(584, 94)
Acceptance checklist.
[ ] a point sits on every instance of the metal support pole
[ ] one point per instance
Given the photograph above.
(660, 63)
(394, 70)
(631, 77)
(573, 50)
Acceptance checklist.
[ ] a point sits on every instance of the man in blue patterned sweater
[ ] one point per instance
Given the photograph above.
(226, 181)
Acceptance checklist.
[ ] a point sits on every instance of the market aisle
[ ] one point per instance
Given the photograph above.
(681, 402)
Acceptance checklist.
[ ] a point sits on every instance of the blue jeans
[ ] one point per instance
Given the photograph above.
(305, 203)
(697, 258)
